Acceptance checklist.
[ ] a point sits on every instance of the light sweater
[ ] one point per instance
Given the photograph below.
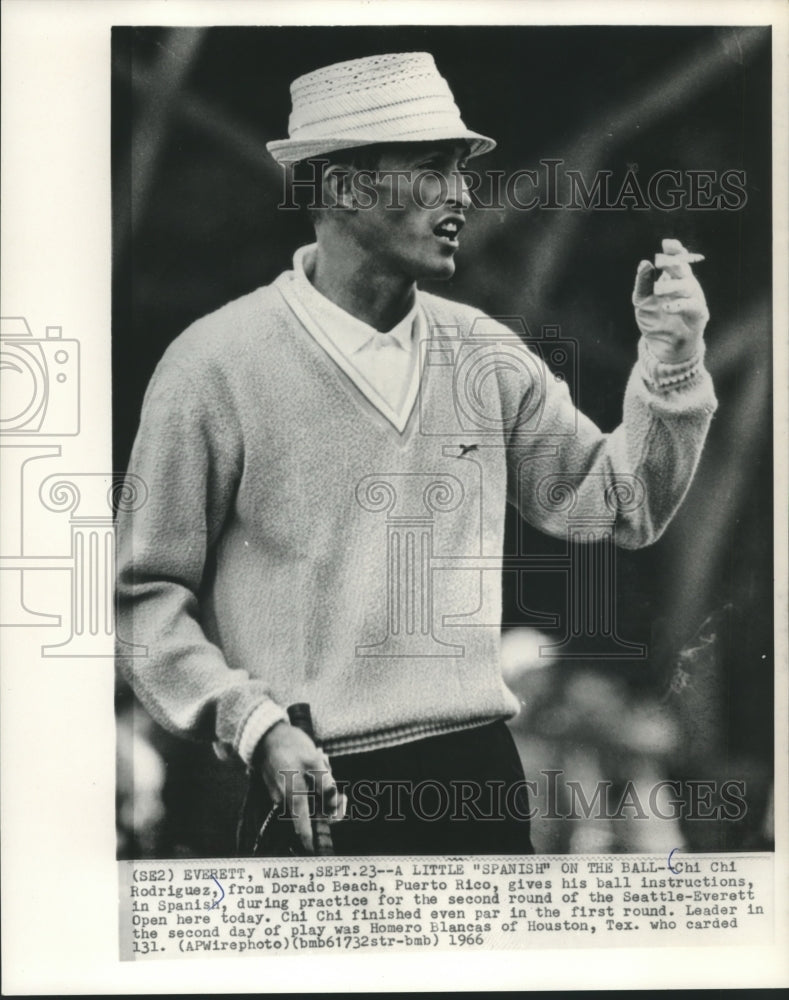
(296, 545)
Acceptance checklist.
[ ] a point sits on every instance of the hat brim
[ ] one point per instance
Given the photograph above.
(294, 150)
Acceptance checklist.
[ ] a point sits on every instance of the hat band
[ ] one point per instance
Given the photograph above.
(424, 104)
(410, 121)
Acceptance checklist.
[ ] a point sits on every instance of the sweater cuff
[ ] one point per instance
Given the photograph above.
(661, 376)
(267, 714)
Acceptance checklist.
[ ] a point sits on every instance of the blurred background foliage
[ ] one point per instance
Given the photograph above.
(196, 224)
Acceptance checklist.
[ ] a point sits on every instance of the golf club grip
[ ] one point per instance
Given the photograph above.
(301, 717)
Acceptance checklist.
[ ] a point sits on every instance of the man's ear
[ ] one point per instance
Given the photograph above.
(338, 187)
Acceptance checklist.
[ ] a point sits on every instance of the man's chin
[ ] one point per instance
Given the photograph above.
(439, 271)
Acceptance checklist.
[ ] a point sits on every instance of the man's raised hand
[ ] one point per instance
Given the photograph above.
(671, 311)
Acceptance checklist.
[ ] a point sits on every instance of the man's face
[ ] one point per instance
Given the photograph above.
(410, 211)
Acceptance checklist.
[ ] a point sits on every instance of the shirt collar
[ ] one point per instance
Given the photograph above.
(355, 333)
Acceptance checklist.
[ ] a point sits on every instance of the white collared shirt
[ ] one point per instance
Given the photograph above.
(386, 361)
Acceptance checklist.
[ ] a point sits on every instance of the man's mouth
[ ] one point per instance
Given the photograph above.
(448, 230)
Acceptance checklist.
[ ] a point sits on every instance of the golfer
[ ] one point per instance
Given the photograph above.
(328, 460)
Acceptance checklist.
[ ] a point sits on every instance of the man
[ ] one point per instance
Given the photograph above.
(328, 460)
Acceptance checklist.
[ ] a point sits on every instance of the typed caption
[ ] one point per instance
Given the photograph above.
(265, 906)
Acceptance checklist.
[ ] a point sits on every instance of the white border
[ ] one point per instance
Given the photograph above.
(59, 873)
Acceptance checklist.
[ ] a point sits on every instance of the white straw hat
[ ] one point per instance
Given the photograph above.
(399, 97)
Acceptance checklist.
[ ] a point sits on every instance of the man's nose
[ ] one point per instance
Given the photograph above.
(458, 189)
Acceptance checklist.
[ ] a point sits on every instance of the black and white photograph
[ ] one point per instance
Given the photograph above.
(393, 436)
(372, 284)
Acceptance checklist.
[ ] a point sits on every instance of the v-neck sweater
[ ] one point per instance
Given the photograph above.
(390, 382)
(382, 362)
(296, 546)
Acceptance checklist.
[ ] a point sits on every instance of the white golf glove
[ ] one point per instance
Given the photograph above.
(671, 312)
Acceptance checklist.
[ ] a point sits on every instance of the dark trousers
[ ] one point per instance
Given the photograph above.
(460, 793)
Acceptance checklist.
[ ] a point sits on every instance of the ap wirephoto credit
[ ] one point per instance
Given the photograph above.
(442, 408)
